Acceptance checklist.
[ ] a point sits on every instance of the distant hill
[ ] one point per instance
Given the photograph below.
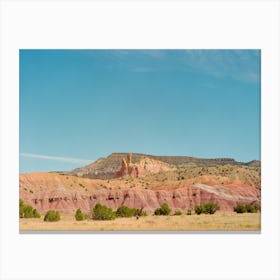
(255, 163)
(106, 168)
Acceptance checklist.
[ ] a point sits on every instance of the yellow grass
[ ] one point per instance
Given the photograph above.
(218, 221)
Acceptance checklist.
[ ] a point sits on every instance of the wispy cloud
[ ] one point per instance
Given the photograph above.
(238, 64)
(242, 65)
(55, 158)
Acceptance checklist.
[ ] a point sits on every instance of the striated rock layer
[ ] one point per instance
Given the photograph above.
(66, 194)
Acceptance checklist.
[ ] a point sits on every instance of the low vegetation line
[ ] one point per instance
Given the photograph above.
(102, 212)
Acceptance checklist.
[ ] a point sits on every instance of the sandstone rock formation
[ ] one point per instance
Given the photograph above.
(144, 166)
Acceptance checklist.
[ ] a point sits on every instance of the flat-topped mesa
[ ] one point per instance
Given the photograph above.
(141, 168)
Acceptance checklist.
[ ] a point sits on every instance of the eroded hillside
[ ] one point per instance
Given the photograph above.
(145, 183)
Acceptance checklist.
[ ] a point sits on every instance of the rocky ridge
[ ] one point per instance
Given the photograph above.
(106, 168)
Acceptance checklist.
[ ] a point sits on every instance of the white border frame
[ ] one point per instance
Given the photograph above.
(124, 24)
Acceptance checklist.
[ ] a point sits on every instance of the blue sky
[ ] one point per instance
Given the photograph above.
(79, 105)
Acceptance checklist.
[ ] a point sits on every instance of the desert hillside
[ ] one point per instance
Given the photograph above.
(145, 182)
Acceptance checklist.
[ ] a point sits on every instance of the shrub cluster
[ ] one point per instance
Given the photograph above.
(178, 213)
(124, 211)
(248, 208)
(163, 210)
(27, 211)
(199, 209)
(208, 208)
(102, 212)
(52, 216)
(211, 208)
(80, 216)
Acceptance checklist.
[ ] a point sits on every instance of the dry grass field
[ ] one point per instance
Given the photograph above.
(217, 222)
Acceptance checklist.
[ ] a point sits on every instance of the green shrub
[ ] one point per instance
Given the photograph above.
(163, 210)
(21, 208)
(210, 208)
(140, 212)
(158, 212)
(124, 211)
(240, 209)
(189, 212)
(27, 211)
(250, 208)
(199, 209)
(102, 212)
(178, 213)
(52, 216)
(79, 216)
(36, 214)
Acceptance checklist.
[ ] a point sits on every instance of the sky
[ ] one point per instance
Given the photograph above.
(79, 105)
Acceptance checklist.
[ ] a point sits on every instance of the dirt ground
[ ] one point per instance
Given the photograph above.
(217, 222)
